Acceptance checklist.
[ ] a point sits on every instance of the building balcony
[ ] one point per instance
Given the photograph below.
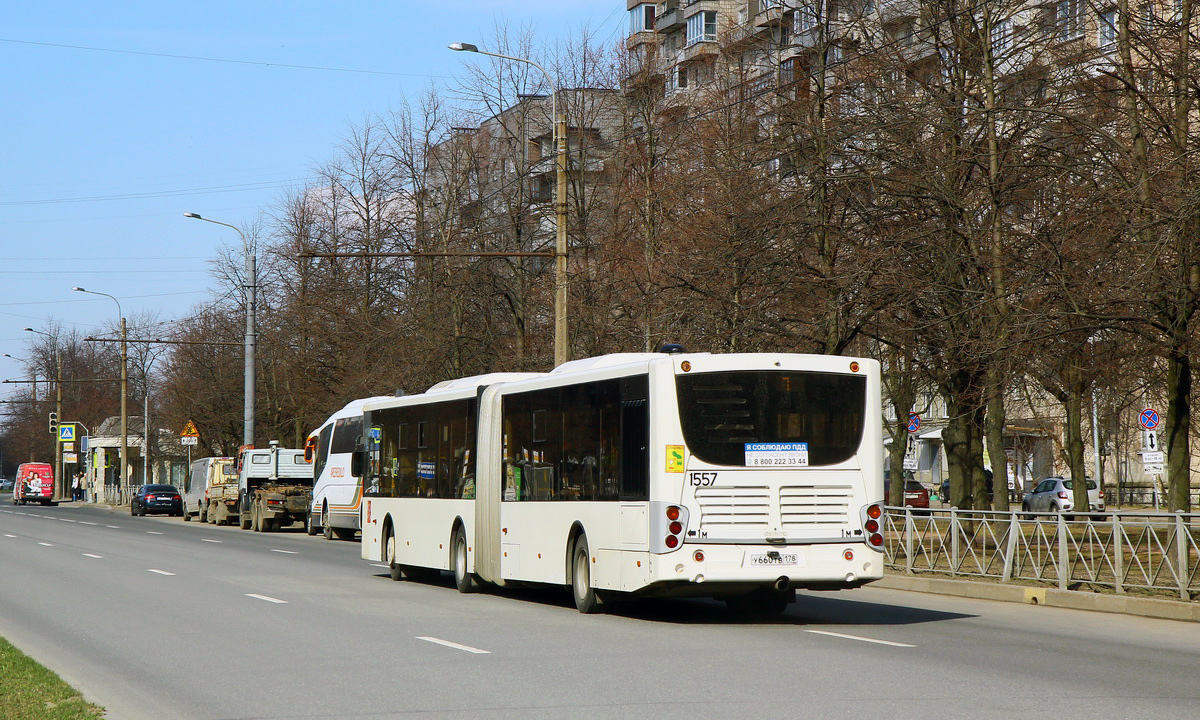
(699, 50)
(769, 17)
(672, 19)
(891, 11)
(646, 37)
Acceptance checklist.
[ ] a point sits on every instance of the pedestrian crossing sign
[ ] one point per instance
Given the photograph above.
(66, 432)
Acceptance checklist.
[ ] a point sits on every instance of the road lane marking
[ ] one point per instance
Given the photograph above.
(66, 520)
(456, 646)
(277, 601)
(860, 639)
(84, 522)
(114, 527)
(46, 544)
(7, 535)
(286, 552)
(207, 540)
(160, 572)
(151, 532)
(98, 557)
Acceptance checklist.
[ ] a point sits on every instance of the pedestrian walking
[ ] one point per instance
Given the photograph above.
(75, 486)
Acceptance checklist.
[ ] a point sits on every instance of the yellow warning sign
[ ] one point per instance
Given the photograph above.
(190, 430)
(675, 458)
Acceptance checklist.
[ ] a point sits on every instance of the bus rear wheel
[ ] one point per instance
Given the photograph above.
(389, 554)
(326, 528)
(463, 580)
(587, 599)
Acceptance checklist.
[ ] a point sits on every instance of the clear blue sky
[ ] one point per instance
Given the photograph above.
(105, 141)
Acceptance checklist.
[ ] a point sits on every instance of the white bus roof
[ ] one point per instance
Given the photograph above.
(476, 381)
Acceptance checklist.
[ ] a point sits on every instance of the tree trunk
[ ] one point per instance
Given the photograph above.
(1179, 390)
(1074, 433)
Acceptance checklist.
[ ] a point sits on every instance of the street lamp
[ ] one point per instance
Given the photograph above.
(560, 203)
(251, 300)
(121, 477)
(59, 484)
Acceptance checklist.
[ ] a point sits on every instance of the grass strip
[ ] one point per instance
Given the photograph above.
(29, 691)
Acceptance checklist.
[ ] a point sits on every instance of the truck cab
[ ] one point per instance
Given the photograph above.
(274, 487)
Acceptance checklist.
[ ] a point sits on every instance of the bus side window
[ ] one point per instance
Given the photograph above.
(635, 438)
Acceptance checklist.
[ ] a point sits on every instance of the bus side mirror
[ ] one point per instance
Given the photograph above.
(310, 450)
(356, 463)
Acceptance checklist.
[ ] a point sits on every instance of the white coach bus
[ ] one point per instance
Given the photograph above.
(337, 492)
(741, 476)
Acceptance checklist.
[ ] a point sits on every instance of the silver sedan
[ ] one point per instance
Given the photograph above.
(1055, 494)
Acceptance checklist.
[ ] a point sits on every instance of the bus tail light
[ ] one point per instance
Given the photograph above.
(668, 525)
(872, 520)
(698, 556)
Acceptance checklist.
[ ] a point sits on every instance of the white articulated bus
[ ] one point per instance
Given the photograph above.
(337, 492)
(741, 476)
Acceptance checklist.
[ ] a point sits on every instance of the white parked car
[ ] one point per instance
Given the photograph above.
(1055, 494)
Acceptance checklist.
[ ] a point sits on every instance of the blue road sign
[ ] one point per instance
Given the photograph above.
(914, 422)
(66, 432)
(1149, 419)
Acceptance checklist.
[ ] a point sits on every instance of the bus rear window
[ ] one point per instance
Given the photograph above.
(722, 412)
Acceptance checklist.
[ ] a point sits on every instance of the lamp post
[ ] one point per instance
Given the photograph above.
(121, 476)
(251, 300)
(59, 484)
(560, 203)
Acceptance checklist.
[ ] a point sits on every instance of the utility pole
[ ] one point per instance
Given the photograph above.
(251, 335)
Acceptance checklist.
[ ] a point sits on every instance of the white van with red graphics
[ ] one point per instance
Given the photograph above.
(337, 492)
(35, 483)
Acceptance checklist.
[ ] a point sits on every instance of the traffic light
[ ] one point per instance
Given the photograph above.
(54, 423)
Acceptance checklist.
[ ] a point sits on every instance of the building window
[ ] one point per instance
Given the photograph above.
(1147, 17)
(805, 18)
(1002, 38)
(1106, 31)
(702, 27)
(1068, 18)
(641, 18)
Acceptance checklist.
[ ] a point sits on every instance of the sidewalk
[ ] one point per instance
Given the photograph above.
(1052, 597)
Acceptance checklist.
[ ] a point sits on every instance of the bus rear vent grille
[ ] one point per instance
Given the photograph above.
(734, 505)
(808, 505)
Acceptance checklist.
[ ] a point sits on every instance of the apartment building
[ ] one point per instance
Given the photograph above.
(501, 175)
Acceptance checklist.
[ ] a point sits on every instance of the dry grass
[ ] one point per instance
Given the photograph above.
(31, 692)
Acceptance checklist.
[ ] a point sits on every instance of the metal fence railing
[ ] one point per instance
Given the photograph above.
(119, 494)
(1111, 552)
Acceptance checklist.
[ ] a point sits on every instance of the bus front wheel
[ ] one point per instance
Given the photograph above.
(587, 599)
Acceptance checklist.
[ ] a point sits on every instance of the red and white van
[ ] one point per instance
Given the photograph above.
(35, 483)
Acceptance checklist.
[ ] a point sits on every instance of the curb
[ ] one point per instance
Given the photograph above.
(1051, 597)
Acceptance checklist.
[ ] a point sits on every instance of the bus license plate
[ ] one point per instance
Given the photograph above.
(776, 559)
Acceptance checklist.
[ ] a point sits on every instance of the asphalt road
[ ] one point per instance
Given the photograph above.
(156, 618)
